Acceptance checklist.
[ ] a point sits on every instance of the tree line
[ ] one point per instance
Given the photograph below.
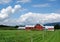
(5, 27)
(57, 26)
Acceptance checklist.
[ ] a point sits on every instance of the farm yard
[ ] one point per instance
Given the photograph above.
(29, 36)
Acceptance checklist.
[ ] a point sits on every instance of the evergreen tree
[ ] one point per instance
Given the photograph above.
(57, 26)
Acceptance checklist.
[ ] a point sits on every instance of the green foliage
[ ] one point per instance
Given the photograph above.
(16, 26)
(57, 26)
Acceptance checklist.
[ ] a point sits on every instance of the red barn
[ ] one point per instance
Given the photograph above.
(39, 27)
(34, 27)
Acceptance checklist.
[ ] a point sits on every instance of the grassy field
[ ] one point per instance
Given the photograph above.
(29, 36)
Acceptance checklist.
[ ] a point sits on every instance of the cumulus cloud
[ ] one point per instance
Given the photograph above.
(23, 1)
(33, 18)
(16, 8)
(10, 22)
(5, 1)
(6, 12)
(41, 5)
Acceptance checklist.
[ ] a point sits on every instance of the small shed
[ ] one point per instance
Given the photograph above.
(49, 28)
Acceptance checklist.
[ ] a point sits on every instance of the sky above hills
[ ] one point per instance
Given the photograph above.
(16, 12)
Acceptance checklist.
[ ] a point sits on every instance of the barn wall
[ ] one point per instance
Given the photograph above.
(38, 27)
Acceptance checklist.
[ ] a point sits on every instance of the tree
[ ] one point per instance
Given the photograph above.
(57, 26)
(16, 26)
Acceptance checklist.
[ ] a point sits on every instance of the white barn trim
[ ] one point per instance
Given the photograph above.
(49, 28)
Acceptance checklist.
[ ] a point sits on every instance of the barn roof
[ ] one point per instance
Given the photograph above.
(40, 24)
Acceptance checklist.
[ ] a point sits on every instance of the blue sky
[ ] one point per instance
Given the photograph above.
(52, 5)
(14, 12)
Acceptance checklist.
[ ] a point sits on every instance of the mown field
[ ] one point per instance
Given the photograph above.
(29, 36)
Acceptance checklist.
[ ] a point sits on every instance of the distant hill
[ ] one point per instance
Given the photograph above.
(51, 24)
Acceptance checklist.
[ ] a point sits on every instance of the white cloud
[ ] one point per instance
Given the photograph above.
(23, 1)
(33, 18)
(16, 8)
(3, 16)
(6, 12)
(10, 22)
(41, 5)
(5, 1)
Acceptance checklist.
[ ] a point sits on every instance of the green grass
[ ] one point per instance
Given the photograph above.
(29, 36)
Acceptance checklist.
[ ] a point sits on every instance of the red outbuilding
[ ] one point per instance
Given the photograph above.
(39, 27)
